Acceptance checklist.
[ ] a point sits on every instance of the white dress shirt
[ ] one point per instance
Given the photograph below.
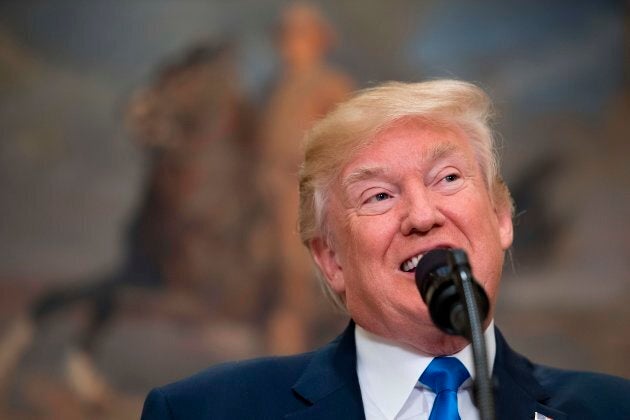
(389, 378)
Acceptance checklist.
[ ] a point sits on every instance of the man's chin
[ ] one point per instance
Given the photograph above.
(438, 343)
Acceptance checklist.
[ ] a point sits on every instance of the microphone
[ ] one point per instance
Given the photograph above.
(439, 277)
(458, 305)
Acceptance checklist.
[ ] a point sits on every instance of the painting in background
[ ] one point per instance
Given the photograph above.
(75, 173)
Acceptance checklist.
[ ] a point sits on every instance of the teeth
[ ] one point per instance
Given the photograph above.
(411, 263)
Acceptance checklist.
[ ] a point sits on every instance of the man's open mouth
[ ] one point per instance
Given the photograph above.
(410, 265)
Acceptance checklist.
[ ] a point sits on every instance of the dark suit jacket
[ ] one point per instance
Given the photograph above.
(323, 384)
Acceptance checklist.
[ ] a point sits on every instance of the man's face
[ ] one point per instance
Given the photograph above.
(413, 189)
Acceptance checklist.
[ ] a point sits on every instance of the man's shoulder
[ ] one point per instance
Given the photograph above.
(239, 376)
(585, 392)
(582, 382)
(575, 394)
(263, 388)
(225, 387)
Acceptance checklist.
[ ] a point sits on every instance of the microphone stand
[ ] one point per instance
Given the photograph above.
(458, 305)
(473, 331)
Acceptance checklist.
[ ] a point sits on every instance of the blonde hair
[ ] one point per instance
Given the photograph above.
(354, 124)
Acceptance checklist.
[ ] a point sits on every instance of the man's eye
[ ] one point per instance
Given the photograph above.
(451, 178)
(382, 196)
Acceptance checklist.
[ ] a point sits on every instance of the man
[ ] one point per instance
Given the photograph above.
(396, 171)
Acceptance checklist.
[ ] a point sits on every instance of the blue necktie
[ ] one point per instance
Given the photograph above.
(444, 376)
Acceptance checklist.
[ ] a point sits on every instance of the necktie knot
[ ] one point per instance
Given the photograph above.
(444, 373)
(444, 376)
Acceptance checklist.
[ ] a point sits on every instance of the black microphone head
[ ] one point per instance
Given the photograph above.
(435, 284)
(430, 262)
(435, 279)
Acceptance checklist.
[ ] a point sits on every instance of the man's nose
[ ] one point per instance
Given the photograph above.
(421, 212)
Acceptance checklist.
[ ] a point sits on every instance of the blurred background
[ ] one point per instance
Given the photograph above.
(147, 168)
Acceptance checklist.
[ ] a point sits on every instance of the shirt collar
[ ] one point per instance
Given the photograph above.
(389, 371)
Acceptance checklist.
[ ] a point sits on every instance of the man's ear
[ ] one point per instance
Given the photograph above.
(504, 210)
(327, 260)
(506, 228)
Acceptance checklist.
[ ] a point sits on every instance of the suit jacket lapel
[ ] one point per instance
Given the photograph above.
(329, 383)
(330, 386)
(518, 395)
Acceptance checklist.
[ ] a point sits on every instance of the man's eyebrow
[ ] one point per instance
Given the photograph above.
(361, 174)
(440, 151)
(435, 153)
